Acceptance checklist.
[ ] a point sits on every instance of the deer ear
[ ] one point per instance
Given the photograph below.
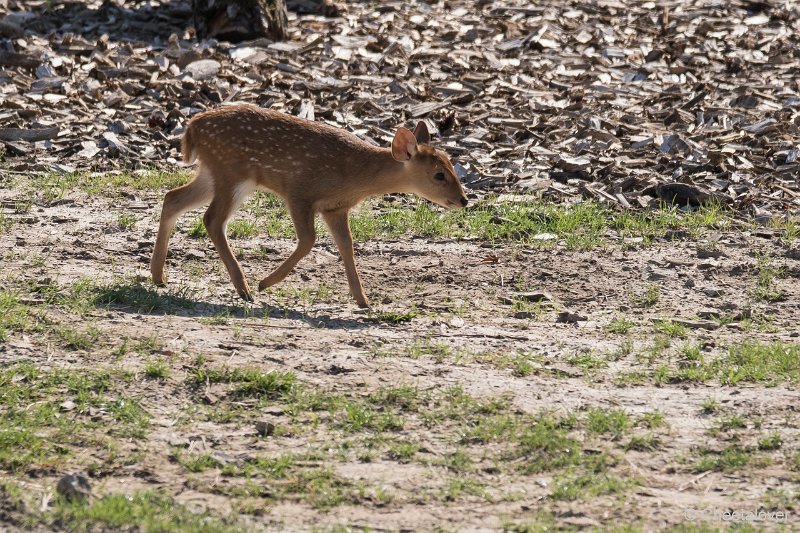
(421, 133)
(404, 145)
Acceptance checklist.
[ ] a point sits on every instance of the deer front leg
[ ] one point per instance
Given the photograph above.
(339, 225)
(303, 219)
(216, 220)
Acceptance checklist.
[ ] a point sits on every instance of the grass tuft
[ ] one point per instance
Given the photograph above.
(143, 511)
(252, 382)
(132, 294)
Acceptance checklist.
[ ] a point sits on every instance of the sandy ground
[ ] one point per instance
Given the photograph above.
(458, 296)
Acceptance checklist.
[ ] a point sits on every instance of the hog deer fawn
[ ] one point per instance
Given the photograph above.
(314, 167)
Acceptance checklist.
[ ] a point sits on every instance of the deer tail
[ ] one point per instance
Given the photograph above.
(187, 145)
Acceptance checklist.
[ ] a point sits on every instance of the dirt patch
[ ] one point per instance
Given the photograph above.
(431, 421)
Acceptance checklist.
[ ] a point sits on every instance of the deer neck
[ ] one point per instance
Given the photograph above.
(379, 173)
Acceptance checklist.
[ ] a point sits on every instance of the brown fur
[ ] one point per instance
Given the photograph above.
(314, 167)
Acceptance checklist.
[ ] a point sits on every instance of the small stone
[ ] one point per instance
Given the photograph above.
(226, 458)
(713, 291)
(526, 296)
(210, 398)
(658, 274)
(676, 234)
(74, 487)
(203, 69)
(265, 428)
(708, 253)
(456, 322)
(335, 370)
(697, 324)
(709, 313)
(766, 233)
(570, 317)
(533, 296)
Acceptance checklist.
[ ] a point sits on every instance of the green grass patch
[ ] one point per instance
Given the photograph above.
(589, 361)
(402, 397)
(402, 452)
(733, 458)
(77, 339)
(271, 216)
(126, 221)
(653, 420)
(197, 230)
(730, 423)
(547, 445)
(770, 442)
(393, 317)
(355, 416)
(5, 222)
(710, 406)
(644, 443)
(790, 226)
(321, 488)
(156, 368)
(458, 461)
(199, 463)
(421, 347)
(630, 378)
(16, 316)
(613, 422)
(589, 485)
(251, 382)
(288, 476)
(55, 185)
(579, 226)
(306, 295)
(765, 289)
(143, 511)
(646, 298)
(620, 326)
(583, 225)
(670, 328)
(242, 228)
(459, 487)
(493, 428)
(749, 362)
(46, 413)
(134, 295)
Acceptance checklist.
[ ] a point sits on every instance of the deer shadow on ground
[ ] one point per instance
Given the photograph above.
(136, 298)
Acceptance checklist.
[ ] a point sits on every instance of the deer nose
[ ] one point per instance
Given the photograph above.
(464, 201)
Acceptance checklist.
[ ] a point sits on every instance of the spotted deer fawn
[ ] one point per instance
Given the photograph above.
(314, 167)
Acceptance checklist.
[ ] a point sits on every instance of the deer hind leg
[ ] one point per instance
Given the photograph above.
(178, 201)
(303, 219)
(339, 225)
(226, 201)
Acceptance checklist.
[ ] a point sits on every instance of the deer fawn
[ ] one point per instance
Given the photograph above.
(314, 167)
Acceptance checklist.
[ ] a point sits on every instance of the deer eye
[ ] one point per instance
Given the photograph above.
(439, 176)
